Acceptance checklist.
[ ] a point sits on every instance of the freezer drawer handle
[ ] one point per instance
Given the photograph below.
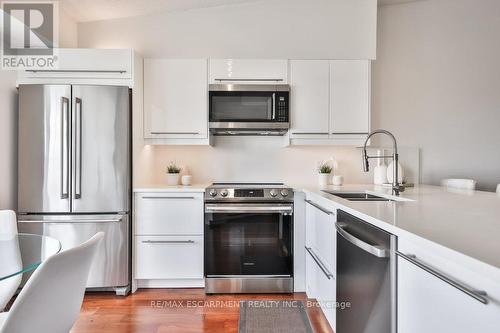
(189, 241)
(73, 221)
(319, 262)
(324, 210)
(376, 250)
(478, 295)
(65, 159)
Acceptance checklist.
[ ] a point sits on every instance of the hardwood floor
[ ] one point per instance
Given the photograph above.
(173, 310)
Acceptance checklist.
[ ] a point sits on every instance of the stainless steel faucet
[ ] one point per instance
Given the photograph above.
(396, 187)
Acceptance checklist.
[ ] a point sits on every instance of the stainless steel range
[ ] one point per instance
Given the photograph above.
(248, 238)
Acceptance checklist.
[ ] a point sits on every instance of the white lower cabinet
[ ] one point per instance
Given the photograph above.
(169, 257)
(321, 257)
(168, 239)
(427, 303)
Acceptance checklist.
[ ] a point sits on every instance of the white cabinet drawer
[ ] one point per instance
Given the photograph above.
(272, 71)
(434, 292)
(321, 286)
(168, 257)
(327, 296)
(169, 214)
(320, 232)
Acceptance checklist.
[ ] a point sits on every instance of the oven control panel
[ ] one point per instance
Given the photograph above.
(249, 194)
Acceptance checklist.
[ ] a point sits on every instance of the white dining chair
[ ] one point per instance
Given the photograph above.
(51, 299)
(459, 184)
(498, 189)
(8, 229)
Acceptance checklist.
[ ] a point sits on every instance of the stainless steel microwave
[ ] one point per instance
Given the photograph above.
(249, 109)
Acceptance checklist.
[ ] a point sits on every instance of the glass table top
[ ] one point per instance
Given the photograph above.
(21, 253)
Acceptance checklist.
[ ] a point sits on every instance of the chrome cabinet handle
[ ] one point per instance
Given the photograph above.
(319, 262)
(78, 148)
(310, 133)
(478, 295)
(376, 250)
(175, 133)
(189, 241)
(324, 210)
(74, 71)
(65, 140)
(190, 198)
(249, 80)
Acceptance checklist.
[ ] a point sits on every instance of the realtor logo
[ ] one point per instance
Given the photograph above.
(29, 34)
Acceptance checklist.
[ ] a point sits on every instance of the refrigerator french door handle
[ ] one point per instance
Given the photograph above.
(65, 149)
(78, 148)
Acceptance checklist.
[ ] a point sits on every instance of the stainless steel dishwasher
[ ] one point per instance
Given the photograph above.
(366, 277)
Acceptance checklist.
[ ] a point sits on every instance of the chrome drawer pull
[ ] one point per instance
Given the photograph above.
(478, 295)
(324, 210)
(320, 264)
(168, 241)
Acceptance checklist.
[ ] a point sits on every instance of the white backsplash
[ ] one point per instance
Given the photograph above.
(255, 159)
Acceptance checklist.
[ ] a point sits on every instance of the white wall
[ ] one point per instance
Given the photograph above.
(266, 29)
(436, 85)
(8, 118)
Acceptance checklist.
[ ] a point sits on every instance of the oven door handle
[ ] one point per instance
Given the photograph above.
(249, 208)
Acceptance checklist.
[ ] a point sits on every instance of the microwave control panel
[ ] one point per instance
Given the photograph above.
(282, 106)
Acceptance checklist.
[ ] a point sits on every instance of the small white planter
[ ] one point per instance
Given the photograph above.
(324, 179)
(173, 179)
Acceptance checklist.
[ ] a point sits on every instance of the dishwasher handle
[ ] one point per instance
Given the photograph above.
(376, 250)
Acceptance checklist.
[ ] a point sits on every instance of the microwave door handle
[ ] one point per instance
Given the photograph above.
(274, 106)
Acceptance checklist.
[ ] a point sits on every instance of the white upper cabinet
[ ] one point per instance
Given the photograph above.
(175, 99)
(85, 66)
(349, 96)
(330, 101)
(310, 84)
(262, 71)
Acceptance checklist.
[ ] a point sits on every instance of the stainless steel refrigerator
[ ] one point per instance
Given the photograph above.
(74, 172)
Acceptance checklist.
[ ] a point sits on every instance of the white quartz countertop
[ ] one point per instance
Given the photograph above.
(166, 188)
(464, 221)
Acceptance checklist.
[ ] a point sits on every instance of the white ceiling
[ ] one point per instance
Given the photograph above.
(93, 10)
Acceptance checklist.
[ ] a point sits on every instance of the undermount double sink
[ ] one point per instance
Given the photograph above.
(357, 196)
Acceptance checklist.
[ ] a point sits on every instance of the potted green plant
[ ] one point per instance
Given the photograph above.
(324, 173)
(173, 174)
